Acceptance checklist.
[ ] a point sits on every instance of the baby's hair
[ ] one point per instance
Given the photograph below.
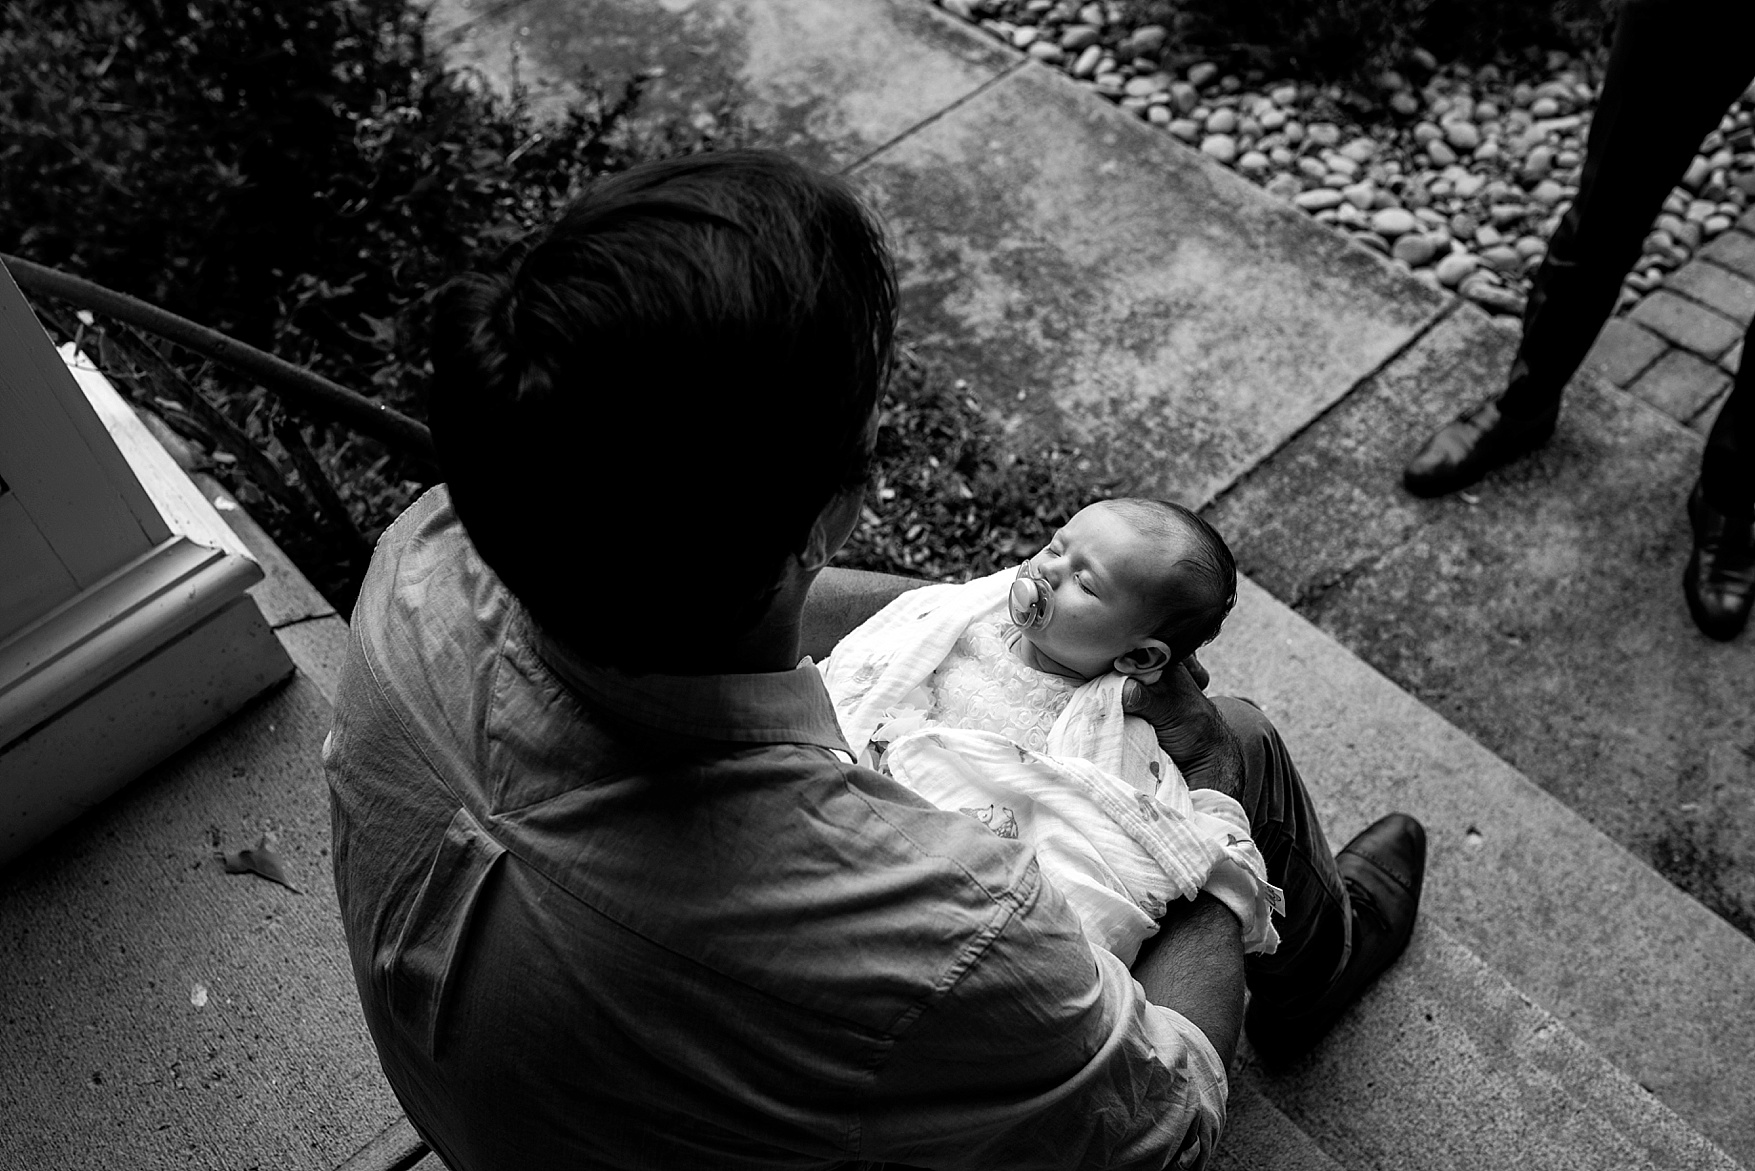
(1194, 598)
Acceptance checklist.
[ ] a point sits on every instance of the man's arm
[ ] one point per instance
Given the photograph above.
(1194, 966)
(1190, 729)
(841, 599)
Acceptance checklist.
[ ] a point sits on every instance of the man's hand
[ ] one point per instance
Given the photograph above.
(1190, 729)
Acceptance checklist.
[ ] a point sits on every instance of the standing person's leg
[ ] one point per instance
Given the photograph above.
(1727, 468)
(1673, 68)
(1719, 582)
(1347, 917)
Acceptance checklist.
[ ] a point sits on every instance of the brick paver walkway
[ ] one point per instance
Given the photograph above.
(1679, 348)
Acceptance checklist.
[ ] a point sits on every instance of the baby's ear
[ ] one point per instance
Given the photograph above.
(1145, 662)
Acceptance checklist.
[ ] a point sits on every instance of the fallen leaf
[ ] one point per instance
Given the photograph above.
(260, 860)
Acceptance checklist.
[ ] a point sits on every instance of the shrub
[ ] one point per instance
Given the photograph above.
(296, 173)
(1347, 40)
(951, 498)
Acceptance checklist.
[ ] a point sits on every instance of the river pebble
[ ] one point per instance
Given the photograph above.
(1462, 135)
(1393, 222)
(1459, 176)
(1454, 267)
(1415, 249)
(1220, 146)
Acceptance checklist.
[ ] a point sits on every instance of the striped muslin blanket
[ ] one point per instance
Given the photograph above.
(1114, 825)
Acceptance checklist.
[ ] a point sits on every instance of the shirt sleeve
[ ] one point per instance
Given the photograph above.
(1046, 1054)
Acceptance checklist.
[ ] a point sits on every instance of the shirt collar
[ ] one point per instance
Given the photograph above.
(771, 707)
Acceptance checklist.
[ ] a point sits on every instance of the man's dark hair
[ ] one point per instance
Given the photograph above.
(641, 410)
(1195, 597)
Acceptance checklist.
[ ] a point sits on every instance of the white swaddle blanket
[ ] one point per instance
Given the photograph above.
(1113, 823)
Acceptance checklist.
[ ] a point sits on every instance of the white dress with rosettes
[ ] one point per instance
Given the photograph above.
(983, 687)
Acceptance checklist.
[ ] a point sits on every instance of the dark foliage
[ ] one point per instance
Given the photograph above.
(951, 498)
(298, 174)
(1349, 40)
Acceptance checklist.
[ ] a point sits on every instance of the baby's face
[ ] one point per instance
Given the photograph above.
(1099, 569)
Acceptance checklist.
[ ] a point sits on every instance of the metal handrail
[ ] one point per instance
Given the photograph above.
(336, 402)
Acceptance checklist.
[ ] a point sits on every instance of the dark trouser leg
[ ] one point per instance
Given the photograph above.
(1727, 470)
(1673, 68)
(1316, 930)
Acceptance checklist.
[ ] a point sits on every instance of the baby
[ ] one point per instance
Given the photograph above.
(1002, 698)
(1131, 586)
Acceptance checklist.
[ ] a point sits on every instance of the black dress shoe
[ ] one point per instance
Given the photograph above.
(1383, 870)
(1473, 444)
(1720, 579)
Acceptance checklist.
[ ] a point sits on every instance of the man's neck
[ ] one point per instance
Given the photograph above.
(770, 645)
(757, 652)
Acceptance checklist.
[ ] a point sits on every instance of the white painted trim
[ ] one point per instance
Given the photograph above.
(60, 460)
(88, 751)
(178, 500)
(83, 643)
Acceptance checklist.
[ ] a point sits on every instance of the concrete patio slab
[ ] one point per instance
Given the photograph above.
(1300, 548)
(161, 1012)
(1444, 1066)
(1101, 282)
(1541, 612)
(825, 80)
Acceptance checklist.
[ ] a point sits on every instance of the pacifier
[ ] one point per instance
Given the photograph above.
(1030, 600)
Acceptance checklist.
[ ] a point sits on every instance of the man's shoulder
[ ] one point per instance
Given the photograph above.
(425, 574)
(427, 535)
(426, 630)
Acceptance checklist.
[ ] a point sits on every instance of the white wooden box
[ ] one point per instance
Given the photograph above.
(125, 628)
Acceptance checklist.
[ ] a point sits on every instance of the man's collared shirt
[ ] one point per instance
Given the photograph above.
(601, 920)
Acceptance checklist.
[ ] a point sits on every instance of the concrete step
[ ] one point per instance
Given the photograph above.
(1258, 1137)
(162, 1013)
(1620, 960)
(1444, 1066)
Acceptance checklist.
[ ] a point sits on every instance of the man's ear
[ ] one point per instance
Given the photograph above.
(830, 529)
(1146, 661)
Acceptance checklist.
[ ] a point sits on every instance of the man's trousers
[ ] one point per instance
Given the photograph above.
(1674, 67)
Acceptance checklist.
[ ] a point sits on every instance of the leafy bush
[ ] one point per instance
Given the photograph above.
(951, 498)
(296, 173)
(1346, 40)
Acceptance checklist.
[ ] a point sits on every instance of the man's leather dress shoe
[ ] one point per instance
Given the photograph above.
(1720, 579)
(1473, 444)
(1383, 870)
